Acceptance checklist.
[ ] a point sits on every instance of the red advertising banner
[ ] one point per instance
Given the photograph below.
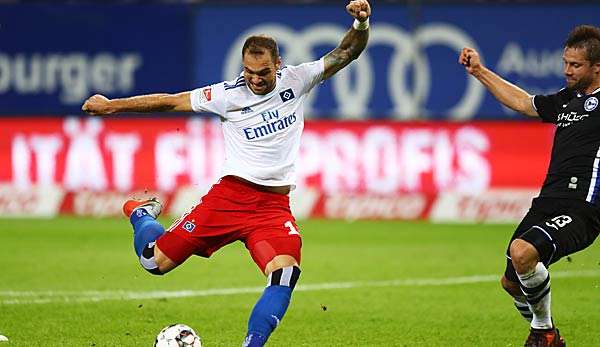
(345, 170)
(424, 157)
(109, 153)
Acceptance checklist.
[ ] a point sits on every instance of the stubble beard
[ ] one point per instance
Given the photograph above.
(581, 85)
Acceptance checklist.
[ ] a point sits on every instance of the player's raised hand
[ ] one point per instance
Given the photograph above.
(470, 59)
(97, 105)
(359, 9)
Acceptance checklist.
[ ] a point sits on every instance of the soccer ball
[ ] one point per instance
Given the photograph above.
(178, 335)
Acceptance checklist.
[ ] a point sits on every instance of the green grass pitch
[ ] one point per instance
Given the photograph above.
(76, 282)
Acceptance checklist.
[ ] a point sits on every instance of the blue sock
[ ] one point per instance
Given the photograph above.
(271, 306)
(267, 314)
(145, 230)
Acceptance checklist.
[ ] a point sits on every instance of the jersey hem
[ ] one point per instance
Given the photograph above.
(267, 183)
(566, 197)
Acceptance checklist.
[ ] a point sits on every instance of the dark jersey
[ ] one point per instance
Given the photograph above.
(574, 165)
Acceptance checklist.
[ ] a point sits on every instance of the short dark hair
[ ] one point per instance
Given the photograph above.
(258, 44)
(588, 37)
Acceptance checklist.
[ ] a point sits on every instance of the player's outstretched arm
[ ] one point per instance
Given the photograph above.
(353, 43)
(507, 93)
(99, 104)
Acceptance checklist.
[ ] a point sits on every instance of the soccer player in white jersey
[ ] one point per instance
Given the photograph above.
(262, 120)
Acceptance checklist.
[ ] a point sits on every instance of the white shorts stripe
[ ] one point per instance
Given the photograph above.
(593, 181)
(545, 232)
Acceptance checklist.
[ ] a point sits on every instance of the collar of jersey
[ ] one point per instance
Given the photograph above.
(580, 94)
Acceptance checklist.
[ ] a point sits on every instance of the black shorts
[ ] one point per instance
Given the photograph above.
(559, 227)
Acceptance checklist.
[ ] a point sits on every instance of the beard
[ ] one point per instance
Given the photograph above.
(582, 84)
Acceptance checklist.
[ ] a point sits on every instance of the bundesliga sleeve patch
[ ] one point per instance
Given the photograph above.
(206, 95)
(287, 95)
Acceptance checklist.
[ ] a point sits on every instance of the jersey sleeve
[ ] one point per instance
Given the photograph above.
(309, 74)
(209, 99)
(548, 106)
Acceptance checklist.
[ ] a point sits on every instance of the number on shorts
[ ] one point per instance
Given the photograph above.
(293, 230)
(559, 221)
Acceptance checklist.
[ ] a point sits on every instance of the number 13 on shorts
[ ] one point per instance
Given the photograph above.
(291, 227)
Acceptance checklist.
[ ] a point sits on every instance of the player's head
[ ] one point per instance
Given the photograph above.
(261, 60)
(582, 57)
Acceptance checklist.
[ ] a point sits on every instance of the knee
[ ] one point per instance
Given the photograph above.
(280, 262)
(156, 262)
(511, 287)
(524, 255)
(163, 263)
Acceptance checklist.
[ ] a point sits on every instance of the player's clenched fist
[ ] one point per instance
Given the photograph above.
(359, 9)
(96, 104)
(470, 59)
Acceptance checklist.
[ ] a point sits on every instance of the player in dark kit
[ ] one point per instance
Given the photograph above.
(565, 218)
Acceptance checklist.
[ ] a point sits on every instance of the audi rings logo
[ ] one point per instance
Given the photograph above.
(352, 99)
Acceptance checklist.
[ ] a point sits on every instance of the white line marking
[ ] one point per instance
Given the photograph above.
(47, 297)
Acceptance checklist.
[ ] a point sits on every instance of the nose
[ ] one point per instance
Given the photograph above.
(568, 70)
(255, 80)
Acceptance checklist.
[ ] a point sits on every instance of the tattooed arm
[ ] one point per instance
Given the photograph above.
(353, 43)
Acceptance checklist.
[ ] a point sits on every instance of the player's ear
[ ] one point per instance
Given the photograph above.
(278, 62)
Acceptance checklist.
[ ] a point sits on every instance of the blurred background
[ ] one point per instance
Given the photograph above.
(411, 176)
(403, 133)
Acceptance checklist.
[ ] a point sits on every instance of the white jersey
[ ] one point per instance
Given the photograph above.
(261, 132)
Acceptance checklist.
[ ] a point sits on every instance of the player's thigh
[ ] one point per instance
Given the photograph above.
(273, 232)
(280, 262)
(562, 234)
(202, 231)
(572, 232)
(164, 263)
(271, 253)
(537, 214)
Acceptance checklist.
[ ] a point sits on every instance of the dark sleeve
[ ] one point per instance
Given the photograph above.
(549, 106)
